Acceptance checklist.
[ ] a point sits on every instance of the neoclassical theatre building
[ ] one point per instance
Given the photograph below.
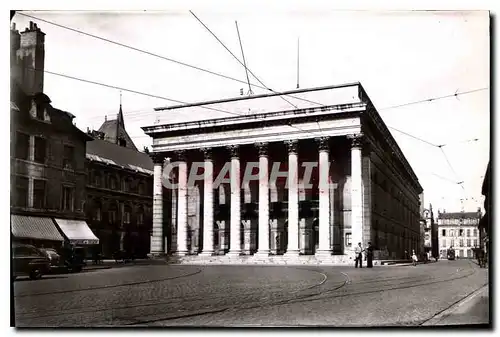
(348, 180)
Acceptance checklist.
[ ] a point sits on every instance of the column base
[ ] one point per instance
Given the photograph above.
(156, 255)
(262, 253)
(207, 253)
(181, 253)
(291, 253)
(323, 253)
(233, 254)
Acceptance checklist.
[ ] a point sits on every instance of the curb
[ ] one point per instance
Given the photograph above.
(447, 312)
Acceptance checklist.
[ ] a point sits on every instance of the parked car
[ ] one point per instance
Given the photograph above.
(56, 264)
(29, 260)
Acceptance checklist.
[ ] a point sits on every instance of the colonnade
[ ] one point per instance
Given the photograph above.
(159, 243)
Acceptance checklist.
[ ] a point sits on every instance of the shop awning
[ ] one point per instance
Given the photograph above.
(33, 227)
(77, 232)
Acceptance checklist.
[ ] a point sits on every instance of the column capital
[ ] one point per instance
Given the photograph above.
(357, 140)
(180, 155)
(323, 144)
(157, 157)
(234, 150)
(263, 148)
(292, 145)
(207, 153)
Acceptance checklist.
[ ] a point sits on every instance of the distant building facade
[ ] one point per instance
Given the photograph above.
(119, 190)
(459, 230)
(47, 155)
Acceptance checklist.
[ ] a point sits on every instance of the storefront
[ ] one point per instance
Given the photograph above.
(78, 233)
(40, 232)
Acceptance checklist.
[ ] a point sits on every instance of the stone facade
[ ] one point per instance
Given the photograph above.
(120, 194)
(47, 150)
(362, 188)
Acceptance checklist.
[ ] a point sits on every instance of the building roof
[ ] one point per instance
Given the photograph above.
(114, 130)
(113, 154)
(459, 215)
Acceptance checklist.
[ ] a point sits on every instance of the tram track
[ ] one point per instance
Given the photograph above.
(328, 288)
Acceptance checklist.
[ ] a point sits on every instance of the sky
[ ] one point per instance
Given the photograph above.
(399, 58)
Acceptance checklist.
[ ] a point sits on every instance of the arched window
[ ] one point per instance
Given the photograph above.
(141, 188)
(127, 213)
(140, 216)
(112, 213)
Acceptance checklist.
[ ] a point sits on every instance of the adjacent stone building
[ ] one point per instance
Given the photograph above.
(362, 187)
(119, 190)
(47, 155)
(459, 230)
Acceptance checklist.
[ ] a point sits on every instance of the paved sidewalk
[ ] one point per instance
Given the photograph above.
(107, 264)
(474, 309)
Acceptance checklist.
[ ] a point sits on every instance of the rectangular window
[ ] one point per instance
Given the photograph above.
(69, 157)
(21, 196)
(474, 231)
(68, 198)
(475, 243)
(126, 217)
(39, 194)
(348, 239)
(443, 232)
(140, 219)
(461, 242)
(461, 232)
(452, 243)
(22, 145)
(97, 180)
(98, 214)
(468, 242)
(40, 150)
(468, 233)
(112, 216)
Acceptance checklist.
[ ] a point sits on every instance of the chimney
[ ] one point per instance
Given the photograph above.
(31, 59)
(15, 44)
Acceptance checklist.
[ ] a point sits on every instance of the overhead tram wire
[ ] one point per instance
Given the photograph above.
(149, 95)
(456, 94)
(237, 59)
(157, 55)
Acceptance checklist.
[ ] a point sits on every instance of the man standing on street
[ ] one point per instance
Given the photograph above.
(358, 252)
(369, 256)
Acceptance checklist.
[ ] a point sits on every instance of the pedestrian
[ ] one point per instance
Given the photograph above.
(369, 256)
(414, 257)
(358, 252)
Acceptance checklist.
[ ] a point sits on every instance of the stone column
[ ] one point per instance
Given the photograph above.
(263, 200)
(293, 199)
(356, 191)
(235, 218)
(157, 242)
(208, 204)
(182, 219)
(324, 247)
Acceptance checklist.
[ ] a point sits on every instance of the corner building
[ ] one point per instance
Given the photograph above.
(371, 194)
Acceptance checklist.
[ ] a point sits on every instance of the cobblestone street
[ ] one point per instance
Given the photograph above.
(249, 295)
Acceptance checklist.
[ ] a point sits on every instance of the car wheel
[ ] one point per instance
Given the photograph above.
(35, 274)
